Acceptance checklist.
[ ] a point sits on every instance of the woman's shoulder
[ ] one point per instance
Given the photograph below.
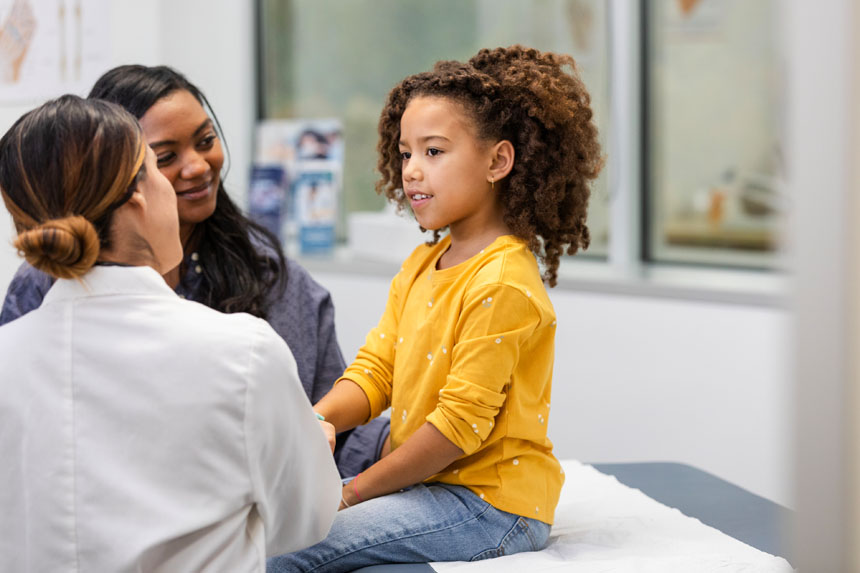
(300, 293)
(217, 332)
(301, 282)
(193, 315)
(27, 274)
(25, 293)
(263, 244)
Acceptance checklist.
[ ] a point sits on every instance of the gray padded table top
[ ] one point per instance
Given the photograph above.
(745, 516)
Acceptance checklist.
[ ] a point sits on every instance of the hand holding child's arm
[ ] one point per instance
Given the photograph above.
(328, 430)
(425, 453)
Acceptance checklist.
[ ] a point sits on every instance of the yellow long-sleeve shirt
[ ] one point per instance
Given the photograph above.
(470, 349)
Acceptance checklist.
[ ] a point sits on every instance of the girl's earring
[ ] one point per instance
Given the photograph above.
(492, 184)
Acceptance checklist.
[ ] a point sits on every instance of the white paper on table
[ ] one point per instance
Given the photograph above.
(602, 525)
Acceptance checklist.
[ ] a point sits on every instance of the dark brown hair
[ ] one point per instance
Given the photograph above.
(65, 167)
(537, 101)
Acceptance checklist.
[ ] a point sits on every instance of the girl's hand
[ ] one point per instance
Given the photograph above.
(348, 494)
(344, 500)
(423, 454)
(328, 430)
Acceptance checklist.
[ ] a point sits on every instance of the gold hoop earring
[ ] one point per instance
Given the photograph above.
(492, 184)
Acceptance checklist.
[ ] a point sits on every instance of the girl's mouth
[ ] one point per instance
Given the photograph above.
(419, 199)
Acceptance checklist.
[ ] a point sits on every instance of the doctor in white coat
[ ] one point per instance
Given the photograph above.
(138, 431)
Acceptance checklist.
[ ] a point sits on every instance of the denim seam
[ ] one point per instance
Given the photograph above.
(425, 532)
(520, 526)
(530, 534)
(506, 540)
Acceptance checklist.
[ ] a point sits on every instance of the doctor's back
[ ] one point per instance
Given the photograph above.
(142, 432)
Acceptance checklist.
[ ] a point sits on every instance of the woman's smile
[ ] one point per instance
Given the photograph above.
(196, 193)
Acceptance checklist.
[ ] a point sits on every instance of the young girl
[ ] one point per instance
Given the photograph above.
(500, 151)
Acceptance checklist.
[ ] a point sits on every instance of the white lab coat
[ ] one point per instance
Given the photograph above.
(142, 432)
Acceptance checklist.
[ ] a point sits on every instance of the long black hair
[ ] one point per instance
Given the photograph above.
(237, 276)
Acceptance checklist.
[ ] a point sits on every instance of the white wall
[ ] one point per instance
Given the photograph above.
(822, 48)
(211, 42)
(645, 379)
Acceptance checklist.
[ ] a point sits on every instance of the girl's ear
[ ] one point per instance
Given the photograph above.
(502, 160)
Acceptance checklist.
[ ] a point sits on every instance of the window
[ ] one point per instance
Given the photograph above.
(712, 164)
(330, 58)
(712, 155)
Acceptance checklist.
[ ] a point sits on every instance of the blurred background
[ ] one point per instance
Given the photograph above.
(712, 322)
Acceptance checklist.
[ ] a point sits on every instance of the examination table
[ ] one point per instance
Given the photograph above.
(717, 503)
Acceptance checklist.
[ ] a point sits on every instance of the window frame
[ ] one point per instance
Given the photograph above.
(629, 266)
(648, 198)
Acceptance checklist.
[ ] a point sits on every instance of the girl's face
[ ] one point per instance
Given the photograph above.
(160, 226)
(188, 153)
(445, 168)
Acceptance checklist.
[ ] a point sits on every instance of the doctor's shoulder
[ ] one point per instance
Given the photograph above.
(222, 334)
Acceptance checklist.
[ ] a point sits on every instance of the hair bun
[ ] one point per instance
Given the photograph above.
(64, 248)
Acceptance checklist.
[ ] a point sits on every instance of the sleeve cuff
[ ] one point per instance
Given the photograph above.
(378, 401)
(467, 438)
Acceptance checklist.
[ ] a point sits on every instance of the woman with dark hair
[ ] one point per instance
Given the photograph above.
(114, 459)
(230, 263)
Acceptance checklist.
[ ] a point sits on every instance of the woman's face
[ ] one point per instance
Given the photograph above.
(188, 153)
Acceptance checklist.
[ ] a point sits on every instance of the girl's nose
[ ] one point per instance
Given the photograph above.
(412, 171)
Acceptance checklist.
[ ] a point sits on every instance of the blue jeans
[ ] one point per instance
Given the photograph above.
(426, 522)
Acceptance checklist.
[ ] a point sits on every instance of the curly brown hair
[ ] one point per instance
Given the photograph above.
(527, 97)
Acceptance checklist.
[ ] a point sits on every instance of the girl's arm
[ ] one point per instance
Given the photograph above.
(493, 324)
(425, 453)
(345, 406)
(364, 390)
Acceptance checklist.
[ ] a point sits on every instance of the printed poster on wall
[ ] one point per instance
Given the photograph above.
(308, 153)
(51, 47)
(315, 197)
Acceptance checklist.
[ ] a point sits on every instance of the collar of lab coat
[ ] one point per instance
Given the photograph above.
(100, 281)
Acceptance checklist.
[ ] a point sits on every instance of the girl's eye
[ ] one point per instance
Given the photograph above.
(433, 152)
(404, 155)
(164, 159)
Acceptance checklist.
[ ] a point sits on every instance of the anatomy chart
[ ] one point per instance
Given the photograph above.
(51, 47)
